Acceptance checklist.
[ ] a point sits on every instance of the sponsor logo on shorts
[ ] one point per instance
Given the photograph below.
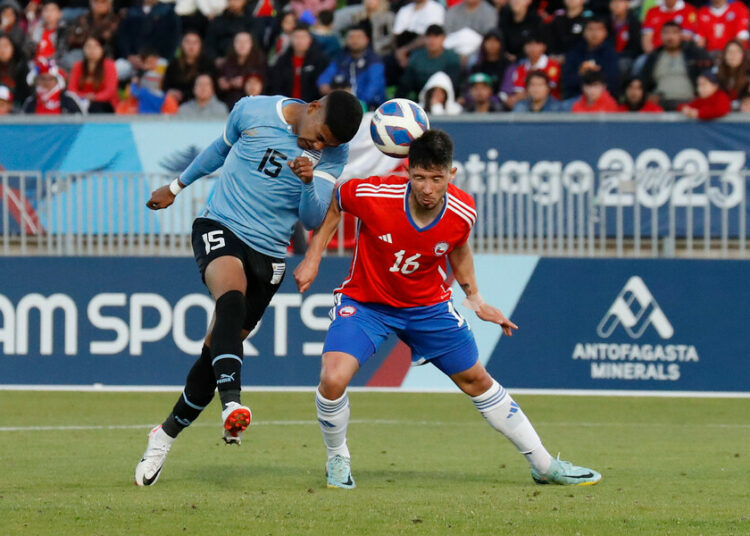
(347, 310)
(441, 248)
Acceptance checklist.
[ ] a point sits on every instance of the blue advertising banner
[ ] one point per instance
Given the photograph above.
(634, 325)
(585, 324)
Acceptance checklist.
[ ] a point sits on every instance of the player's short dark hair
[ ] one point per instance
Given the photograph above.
(325, 17)
(538, 73)
(670, 24)
(432, 150)
(343, 115)
(592, 77)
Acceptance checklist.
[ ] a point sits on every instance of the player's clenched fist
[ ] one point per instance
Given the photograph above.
(303, 168)
(305, 274)
(160, 198)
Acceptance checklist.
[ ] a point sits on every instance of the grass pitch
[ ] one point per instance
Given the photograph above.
(424, 464)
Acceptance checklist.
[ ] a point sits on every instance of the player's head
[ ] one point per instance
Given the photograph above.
(430, 167)
(330, 121)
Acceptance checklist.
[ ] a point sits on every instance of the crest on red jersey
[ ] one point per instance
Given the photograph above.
(441, 248)
(347, 310)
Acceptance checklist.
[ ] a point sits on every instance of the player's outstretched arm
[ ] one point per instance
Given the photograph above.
(462, 263)
(307, 270)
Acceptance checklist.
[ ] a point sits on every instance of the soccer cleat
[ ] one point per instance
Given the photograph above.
(566, 474)
(339, 473)
(149, 468)
(236, 420)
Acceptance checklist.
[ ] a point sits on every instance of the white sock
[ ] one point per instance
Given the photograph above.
(506, 416)
(333, 416)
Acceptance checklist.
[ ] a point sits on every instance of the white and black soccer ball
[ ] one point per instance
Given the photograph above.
(396, 124)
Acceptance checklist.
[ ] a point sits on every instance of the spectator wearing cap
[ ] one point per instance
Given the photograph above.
(711, 102)
(204, 103)
(425, 62)
(480, 97)
(183, 69)
(516, 21)
(411, 24)
(491, 60)
(236, 18)
(101, 21)
(362, 67)
(477, 15)
(438, 97)
(95, 78)
(635, 98)
(514, 86)
(6, 101)
(150, 25)
(594, 53)
(244, 58)
(595, 98)
(671, 71)
(566, 29)
(11, 16)
(50, 97)
(538, 95)
(13, 69)
(296, 72)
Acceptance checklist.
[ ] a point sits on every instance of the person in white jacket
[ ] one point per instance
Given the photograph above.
(438, 97)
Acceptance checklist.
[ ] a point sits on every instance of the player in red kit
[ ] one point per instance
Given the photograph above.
(668, 10)
(408, 230)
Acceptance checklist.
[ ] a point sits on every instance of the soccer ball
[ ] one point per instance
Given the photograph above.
(396, 124)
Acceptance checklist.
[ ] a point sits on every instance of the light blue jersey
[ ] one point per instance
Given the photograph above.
(257, 196)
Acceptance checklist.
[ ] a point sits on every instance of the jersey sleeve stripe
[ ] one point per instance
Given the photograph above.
(367, 194)
(325, 176)
(462, 216)
(463, 212)
(461, 204)
(373, 188)
(226, 140)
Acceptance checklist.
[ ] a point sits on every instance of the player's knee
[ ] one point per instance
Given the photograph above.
(474, 382)
(335, 376)
(231, 305)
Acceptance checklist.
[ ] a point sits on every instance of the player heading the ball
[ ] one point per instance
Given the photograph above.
(397, 283)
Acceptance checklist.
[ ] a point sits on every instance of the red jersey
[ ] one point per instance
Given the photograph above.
(550, 67)
(718, 26)
(395, 262)
(683, 14)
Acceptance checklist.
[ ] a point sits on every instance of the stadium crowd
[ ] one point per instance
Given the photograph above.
(199, 57)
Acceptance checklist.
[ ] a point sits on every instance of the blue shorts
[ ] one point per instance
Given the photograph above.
(435, 333)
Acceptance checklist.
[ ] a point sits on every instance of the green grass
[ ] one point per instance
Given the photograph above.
(424, 464)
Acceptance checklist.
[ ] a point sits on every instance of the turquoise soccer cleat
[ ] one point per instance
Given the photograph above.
(566, 474)
(339, 473)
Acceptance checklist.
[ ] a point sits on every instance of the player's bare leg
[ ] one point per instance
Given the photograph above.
(506, 416)
(332, 403)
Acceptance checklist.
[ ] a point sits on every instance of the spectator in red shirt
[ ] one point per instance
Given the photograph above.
(669, 10)
(595, 98)
(95, 78)
(721, 21)
(536, 60)
(50, 97)
(635, 98)
(734, 71)
(296, 72)
(47, 33)
(625, 33)
(711, 103)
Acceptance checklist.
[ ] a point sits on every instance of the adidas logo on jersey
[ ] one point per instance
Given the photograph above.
(386, 238)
